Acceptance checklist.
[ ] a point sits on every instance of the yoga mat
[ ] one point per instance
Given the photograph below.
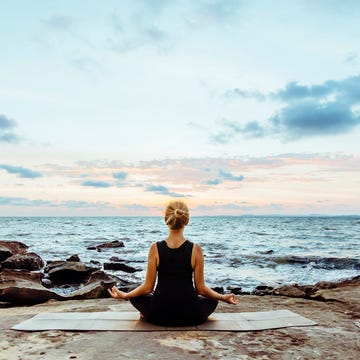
(129, 321)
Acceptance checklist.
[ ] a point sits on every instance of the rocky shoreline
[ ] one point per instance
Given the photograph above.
(335, 306)
(26, 279)
(335, 337)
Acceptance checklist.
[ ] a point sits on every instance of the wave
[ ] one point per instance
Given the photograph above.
(316, 262)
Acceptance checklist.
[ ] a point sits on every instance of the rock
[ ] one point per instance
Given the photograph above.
(96, 287)
(290, 291)
(9, 248)
(74, 257)
(28, 261)
(101, 276)
(235, 289)
(267, 252)
(218, 289)
(262, 290)
(21, 287)
(332, 285)
(119, 266)
(47, 283)
(127, 286)
(96, 263)
(61, 272)
(115, 258)
(108, 245)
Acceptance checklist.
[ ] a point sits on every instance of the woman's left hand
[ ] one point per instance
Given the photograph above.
(229, 298)
(116, 293)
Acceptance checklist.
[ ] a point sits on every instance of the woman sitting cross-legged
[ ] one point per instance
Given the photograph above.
(178, 265)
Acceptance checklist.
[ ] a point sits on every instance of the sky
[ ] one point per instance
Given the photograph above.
(237, 107)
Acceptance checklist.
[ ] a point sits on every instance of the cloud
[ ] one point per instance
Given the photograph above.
(96, 184)
(227, 208)
(7, 127)
(75, 204)
(309, 110)
(60, 22)
(24, 202)
(212, 182)
(21, 172)
(352, 58)
(162, 190)
(213, 12)
(137, 207)
(227, 175)
(159, 24)
(311, 118)
(224, 176)
(134, 32)
(120, 175)
(19, 201)
(236, 92)
(230, 129)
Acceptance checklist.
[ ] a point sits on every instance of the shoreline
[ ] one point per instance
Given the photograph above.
(335, 336)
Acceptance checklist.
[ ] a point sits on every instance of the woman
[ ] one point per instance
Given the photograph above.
(176, 262)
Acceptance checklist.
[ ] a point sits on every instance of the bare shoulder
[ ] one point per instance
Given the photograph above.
(197, 249)
(153, 249)
(153, 254)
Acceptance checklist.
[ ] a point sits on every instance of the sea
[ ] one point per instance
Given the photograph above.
(240, 251)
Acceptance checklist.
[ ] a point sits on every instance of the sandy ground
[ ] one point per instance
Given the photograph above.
(335, 337)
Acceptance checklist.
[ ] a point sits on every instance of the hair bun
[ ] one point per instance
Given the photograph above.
(176, 215)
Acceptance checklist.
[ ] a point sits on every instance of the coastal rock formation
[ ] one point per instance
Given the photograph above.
(313, 292)
(61, 272)
(335, 337)
(107, 245)
(118, 265)
(74, 257)
(22, 287)
(95, 288)
(10, 248)
(27, 261)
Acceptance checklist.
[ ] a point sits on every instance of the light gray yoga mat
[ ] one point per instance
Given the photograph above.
(129, 321)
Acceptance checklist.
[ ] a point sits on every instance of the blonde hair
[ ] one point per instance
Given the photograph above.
(176, 215)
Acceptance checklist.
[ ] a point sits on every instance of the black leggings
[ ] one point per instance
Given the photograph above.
(143, 304)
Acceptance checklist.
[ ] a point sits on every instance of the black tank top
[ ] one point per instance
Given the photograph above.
(175, 301)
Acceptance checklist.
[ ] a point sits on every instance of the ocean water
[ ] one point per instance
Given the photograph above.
(243, 251)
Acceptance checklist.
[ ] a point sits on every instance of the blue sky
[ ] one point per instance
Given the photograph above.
(113, 108)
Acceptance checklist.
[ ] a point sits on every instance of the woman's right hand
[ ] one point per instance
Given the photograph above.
(116, 293)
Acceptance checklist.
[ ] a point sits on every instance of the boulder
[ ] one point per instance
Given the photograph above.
(74, 257)
(235, 290)
(96, 287)
(290, 291)
(68, 272)
(107, 245)
(9, 248)
(28, 261)
(354, 281)
(22, 287)
(119, 266)
(262, 290)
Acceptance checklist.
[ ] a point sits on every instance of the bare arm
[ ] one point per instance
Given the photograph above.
(197, 262)
(148, 285)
